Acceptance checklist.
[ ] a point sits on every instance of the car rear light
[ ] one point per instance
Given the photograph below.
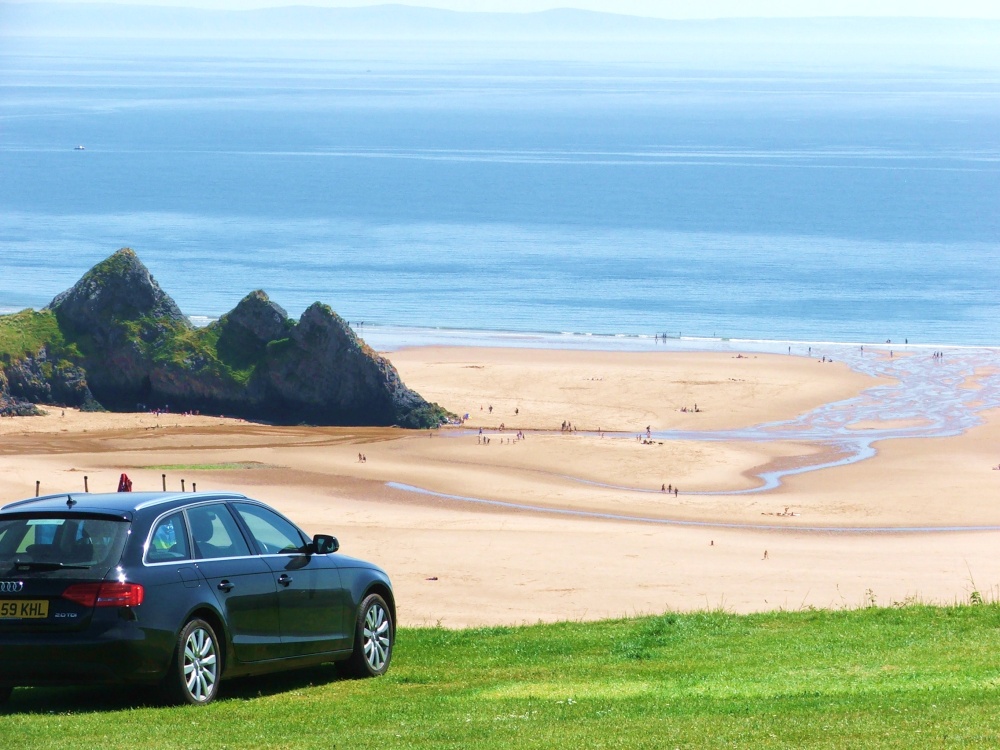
(105, 594)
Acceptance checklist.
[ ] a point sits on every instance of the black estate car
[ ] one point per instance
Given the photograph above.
(180, 590)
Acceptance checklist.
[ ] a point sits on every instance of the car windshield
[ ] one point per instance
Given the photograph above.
(56, 542)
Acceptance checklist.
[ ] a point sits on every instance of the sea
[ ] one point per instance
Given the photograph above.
(455, 195)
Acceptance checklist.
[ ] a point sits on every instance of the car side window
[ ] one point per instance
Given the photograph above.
(169, 540)
(215, 533)
(273, 534)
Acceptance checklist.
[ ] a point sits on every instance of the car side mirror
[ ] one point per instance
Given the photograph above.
(324, 544)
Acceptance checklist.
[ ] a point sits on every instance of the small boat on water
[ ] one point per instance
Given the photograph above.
(80, 148)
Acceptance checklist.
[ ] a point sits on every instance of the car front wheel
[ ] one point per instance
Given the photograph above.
(197, 665)
(373, 638)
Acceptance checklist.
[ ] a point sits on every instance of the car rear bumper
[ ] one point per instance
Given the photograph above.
(122, 653)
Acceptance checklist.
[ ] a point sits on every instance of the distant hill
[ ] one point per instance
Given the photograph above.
(415, 33)
(410, 22)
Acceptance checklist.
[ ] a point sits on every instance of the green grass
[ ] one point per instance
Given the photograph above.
(910, 677)
(25, 333)
(227, 466)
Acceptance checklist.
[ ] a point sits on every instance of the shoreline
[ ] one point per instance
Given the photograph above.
(390, 337)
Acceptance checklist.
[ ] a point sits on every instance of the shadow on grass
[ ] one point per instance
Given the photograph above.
(248, 688)
(107, 698)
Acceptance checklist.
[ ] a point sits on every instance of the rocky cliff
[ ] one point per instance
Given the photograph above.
(116, 340)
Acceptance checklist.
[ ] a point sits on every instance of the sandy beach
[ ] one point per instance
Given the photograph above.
(563, 514)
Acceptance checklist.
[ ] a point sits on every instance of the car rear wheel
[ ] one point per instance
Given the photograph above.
(197, 665)
(373, 638)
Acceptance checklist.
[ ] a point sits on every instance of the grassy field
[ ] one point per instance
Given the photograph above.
(901, 677)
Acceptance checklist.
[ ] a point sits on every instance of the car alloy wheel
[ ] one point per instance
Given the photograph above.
(197, 664)
(373, 639)
(377, 636)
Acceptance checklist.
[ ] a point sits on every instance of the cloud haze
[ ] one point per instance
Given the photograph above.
(673, 9)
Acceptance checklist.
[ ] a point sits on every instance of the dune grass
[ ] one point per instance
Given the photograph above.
(907, 677)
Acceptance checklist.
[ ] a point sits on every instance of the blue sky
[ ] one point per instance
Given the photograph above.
(656, 8)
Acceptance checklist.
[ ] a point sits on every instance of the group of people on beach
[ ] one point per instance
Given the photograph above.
(157, 411)
(482, 439)
(786, 513)
(485, 439)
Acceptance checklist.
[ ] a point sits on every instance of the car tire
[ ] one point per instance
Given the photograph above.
(196, 668)
(374, 635)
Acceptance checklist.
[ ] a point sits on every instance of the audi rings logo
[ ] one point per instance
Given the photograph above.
(11, 587)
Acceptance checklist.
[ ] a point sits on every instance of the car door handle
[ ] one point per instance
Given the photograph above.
(284, 579)
(225, 586)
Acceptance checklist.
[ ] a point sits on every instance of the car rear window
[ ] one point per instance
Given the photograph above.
(53, 542)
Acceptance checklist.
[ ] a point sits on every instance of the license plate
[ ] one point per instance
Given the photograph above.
(23, 609)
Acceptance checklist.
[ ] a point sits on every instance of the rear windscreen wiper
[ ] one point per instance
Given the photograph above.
(27, 565)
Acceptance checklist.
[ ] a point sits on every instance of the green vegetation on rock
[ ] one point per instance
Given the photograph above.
(27, 332)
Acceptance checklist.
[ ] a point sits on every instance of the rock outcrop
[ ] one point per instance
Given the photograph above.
(119, 288)
(324, 369)
(120, 342)
(12, 406)
(41, 380)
